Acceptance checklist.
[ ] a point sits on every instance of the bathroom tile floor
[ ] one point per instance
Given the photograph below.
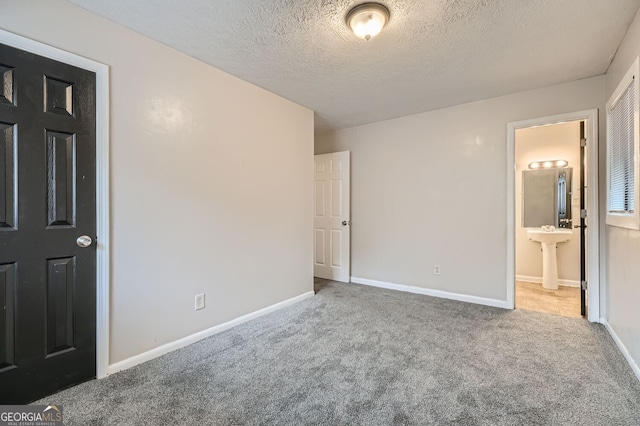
(564, 301)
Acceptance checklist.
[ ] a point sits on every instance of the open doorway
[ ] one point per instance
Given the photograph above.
(552, 258)
(548, 192)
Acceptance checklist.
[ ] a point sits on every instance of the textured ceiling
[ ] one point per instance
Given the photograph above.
(432, 54)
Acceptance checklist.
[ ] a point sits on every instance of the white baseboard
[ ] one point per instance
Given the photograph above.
(538, 280)
(185, 341)
(622, 347)
(435, 293)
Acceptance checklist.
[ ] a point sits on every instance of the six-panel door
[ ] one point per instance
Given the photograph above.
(332, 222)
(47, 201)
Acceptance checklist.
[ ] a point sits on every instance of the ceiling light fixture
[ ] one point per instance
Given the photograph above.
(367, 20)
(548, 164)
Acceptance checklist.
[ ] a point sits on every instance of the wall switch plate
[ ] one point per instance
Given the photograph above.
(436, 269)
(199, 301)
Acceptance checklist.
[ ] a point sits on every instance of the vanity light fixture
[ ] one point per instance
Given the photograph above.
(367, 19)
(548, 164)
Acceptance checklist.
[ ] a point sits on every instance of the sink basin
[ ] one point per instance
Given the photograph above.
(548, 237)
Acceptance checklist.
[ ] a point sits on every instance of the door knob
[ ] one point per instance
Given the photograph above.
(345, 223)
(84, 241)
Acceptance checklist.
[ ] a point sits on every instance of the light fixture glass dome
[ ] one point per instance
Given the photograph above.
(367, 20)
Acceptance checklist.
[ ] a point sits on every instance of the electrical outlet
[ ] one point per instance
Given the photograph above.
(436, 269)
(199, 301)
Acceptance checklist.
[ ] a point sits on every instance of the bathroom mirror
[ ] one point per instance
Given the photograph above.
(546, 197)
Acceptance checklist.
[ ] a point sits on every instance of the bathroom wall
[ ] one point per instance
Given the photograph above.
(431, 189)
(556, 142)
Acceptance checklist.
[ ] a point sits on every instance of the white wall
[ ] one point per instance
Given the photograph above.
(623, 245)
(211, 182)
(556, 142)
(431, 189)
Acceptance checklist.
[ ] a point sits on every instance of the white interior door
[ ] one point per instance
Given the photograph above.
(332, 217)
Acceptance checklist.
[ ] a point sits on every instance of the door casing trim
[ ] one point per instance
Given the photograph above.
(593, 242)
(102, 181)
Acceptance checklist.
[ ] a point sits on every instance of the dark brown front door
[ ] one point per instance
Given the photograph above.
(47, 201)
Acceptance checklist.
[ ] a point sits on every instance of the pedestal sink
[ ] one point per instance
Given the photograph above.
(549, 236)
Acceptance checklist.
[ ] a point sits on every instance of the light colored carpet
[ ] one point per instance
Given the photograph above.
(356, 355)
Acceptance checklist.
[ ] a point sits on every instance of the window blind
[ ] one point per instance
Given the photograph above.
(620, 122)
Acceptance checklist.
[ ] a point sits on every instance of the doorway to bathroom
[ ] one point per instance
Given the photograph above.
(552, 215)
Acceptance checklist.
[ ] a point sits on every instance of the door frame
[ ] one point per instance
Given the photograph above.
(102, 181)
(593, 240)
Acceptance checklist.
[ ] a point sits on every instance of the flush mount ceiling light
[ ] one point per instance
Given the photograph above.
(367, 20)
(548, 164)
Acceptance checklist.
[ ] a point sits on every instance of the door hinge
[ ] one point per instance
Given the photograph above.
(583, 213)
(583, 285)
(583, 142)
